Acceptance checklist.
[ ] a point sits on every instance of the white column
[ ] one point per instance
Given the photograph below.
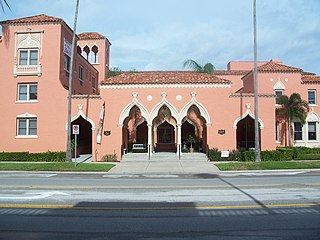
(150, 149)
(179, 138)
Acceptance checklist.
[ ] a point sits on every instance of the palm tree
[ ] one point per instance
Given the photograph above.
(207, 68)
(293, 108)
(3, 4)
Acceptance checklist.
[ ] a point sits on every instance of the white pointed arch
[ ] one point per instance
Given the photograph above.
(279, 86)
(312, 117)
(165, 102)
(81, 113)
(125, 112)
(203, 111)
(247, 113)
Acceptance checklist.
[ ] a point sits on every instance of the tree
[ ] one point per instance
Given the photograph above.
(207, 68)
(293, 108)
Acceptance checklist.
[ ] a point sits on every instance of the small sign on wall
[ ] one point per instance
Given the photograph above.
(221, 131)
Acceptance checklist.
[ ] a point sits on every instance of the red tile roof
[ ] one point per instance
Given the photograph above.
(310, 79)
(164, 77)
(276, 67)
(42, 18)
(91, 35)
(230, 72)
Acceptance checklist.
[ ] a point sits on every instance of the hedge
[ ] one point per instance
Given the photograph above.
(33, 157)
(313, 156)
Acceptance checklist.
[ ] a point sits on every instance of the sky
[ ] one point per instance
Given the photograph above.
(161, 35)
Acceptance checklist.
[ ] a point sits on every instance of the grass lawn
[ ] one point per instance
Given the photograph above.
(268, 165)
(56, 166)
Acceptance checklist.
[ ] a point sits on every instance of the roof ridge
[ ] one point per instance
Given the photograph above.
(33, 19)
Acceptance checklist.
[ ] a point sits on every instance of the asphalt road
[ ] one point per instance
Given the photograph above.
(252, 205)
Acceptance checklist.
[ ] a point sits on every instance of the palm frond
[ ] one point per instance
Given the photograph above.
(208, 68)
(4, 3)
(193, 65)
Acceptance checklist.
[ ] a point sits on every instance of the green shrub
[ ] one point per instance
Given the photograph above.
(235, 155)
(314, 156)
(287, 153)
(247, 156)
(33, 157)
(214, 154)
(109, 158)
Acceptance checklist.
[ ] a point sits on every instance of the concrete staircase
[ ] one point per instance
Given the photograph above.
(164, 156)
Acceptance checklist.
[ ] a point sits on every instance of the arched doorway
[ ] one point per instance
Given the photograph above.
(164, 131)
(195, 125)
(84, 139)
(134, 130)
(246, 134)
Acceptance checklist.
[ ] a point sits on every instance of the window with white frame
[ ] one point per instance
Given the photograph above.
(27, 91)
(66, 62)
(312, 96)
(312, 131)
(28, 57)
(80, 73)
(26, 127)
(278, 94)
(297, 131)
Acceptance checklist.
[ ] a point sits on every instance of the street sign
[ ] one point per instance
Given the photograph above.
(75, 129)
(225, 154)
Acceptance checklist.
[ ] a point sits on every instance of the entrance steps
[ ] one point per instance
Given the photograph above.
(164, 156)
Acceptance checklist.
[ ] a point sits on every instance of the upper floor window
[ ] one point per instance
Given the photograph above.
(27, 92)
(297, 131)
(28, 57)
(66, 62)
(26, 127)
(80, 73)
(312, 96)
(312, 133)
(278, 93)
(93, 82)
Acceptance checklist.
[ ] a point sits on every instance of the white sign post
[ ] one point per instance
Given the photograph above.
(75, 131)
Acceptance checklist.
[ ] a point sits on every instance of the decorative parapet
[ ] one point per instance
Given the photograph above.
(251, 95)
(27, 70)
(86, 96)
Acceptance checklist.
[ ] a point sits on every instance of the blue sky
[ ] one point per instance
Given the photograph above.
(161, 35)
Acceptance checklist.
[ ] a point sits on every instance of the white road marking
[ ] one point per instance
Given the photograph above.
(33, 196)
(259, 173)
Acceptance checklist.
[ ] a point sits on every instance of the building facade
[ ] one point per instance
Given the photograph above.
(152, 110)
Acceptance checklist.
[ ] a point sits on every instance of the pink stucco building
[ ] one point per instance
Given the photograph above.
(156, 110)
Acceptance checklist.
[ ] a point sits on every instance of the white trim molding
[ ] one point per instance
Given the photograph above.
(247, 113)
(164, 101)
(81, 113)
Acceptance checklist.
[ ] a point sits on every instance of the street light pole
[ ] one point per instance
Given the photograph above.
(68, 153)
(255, 77)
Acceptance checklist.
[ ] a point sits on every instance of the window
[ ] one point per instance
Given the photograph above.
(297, 131)
(80, 73)
(27, 126)
(27, 92)
(93, 82)
(278, 95)
(312, 96)
(312, 134)
(66, 62)
(277, 131)
(28, 57)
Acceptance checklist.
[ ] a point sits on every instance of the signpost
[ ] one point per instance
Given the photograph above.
(75, 131)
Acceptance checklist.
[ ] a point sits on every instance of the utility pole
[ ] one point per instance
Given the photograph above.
(68, 153)
(255, 77)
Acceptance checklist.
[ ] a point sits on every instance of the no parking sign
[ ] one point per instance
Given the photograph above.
(75, 129)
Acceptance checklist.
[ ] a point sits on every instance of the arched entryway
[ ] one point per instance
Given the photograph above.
(194, 125)
(246, 134)
(134, 130)
(164, 134)
(84, 139)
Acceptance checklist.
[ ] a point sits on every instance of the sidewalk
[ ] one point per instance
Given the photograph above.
(165, 167)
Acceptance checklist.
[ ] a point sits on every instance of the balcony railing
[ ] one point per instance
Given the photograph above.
(23, 70)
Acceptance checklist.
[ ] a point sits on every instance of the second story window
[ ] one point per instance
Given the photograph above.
(312, 96)
(80, 73)
(93, 82)
(28, 57)
(66, 62)
(27, 92)
(278, 94)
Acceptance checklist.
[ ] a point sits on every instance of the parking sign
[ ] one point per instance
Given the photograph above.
(75, 129)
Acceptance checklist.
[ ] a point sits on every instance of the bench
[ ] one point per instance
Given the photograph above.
(138, 146)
